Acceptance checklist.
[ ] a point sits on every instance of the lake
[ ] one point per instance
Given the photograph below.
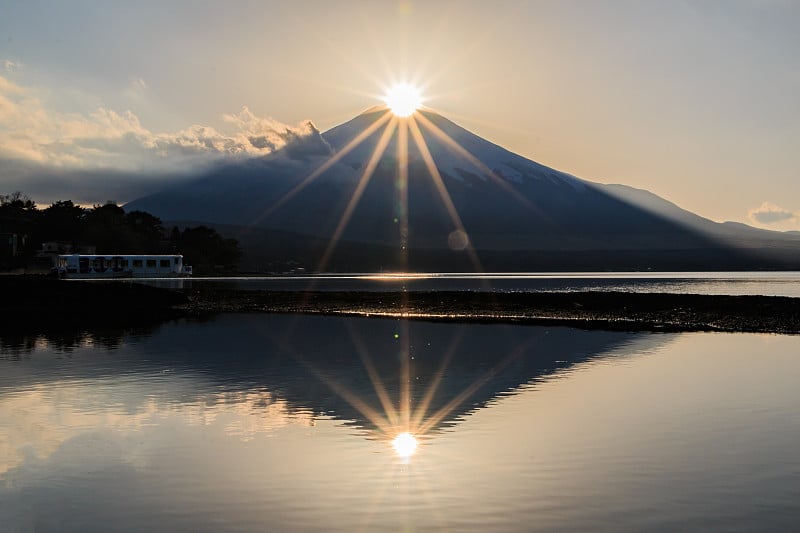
(262, 422)
(733, 283)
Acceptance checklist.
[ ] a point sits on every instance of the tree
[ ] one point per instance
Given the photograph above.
(106, 228)
(146, 229)
(110, 230)
(207, 251)
(17, 200)
(62, 221)
(18, 218)
(17, 213)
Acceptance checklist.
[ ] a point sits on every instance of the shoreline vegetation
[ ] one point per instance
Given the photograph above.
(26, 298)
(30, 237)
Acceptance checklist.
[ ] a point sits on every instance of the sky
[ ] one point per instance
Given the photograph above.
(698, 102)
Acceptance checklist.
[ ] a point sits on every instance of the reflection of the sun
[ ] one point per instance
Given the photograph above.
(405, 413)
(405, 445)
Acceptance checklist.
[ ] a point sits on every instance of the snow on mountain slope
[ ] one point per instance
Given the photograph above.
(449, 157)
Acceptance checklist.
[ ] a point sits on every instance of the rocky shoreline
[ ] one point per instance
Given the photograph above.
(593, 310)
(28, 299)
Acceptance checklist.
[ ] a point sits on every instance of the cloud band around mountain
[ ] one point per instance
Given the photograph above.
(104, 138)
(107, 154)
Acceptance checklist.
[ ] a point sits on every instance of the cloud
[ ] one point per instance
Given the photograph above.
(10, 66)
(30, 130)
(9, 88)
(105, 154)
(769, 213)
(139, 84)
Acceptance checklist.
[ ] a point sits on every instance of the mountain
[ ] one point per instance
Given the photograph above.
(518, 215)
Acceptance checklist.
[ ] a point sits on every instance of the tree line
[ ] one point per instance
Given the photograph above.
(110, 230)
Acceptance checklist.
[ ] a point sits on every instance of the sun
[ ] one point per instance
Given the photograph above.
(403, 99)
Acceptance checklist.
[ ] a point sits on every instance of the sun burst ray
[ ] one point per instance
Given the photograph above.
(380, 148)
(377, 382)
(466, 154)
(442, 189)
(402, 189)
(461, 397)
(405, 374)
(433, 386)
(335, 158)
(379, 421)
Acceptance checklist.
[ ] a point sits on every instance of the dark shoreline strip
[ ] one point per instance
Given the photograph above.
(36, 299)
(29, 298)
(589, 310)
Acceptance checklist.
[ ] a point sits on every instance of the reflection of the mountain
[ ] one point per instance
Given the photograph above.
(338, 366)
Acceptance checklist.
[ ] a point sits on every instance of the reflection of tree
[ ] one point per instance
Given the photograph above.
(13, 344)
(66, 336)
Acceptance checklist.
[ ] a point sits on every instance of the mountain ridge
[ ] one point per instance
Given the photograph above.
(506, 204)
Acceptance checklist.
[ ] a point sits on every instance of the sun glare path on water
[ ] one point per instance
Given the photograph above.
(403, 99)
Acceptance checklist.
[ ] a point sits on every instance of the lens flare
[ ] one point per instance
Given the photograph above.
(403, 99)
(404, 444)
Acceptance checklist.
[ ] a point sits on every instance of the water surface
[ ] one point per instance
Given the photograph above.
(732, 283)
(285, 423)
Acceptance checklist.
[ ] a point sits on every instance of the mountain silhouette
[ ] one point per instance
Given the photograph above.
(380, 193)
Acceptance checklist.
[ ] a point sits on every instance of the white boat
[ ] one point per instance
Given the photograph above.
(79, 266)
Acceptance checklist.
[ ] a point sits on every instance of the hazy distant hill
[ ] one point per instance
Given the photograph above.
(519, 215)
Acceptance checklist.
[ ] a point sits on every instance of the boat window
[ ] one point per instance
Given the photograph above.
(151, 263)
(165, 263)
(137, 262)
(123, 263)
